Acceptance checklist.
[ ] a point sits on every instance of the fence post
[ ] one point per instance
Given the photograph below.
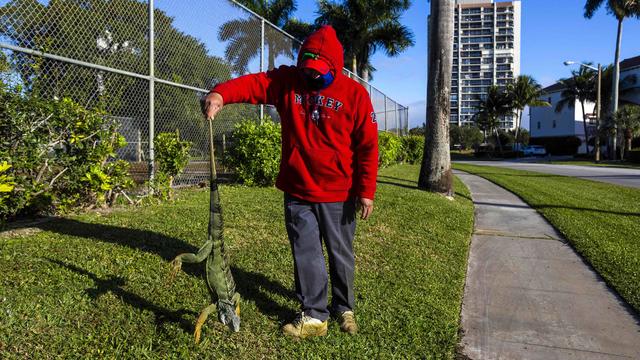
(261, 60)
(139, 146)
(395, 113)
(406, 118)
(385, 112)
(152, 91)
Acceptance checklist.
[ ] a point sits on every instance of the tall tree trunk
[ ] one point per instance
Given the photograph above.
(584, 126)
(616, 84)
(435, 172)
(518, 122)
(354, 65)
(498, 140)
(272, 59)
(365, 74)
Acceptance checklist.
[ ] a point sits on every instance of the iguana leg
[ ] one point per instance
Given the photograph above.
(199, 257)
(201, 319)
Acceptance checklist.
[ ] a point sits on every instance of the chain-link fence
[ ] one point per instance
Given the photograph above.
(98, 53)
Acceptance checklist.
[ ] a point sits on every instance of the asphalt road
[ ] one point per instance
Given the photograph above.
(617, 176)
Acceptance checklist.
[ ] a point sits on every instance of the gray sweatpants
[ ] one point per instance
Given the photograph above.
(308, 224)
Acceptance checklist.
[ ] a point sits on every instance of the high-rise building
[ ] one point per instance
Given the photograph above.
(486, 51)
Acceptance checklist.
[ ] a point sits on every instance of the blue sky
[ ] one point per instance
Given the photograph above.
(552, 31)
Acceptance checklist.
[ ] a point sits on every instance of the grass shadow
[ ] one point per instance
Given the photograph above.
(114, 284)
(413, 187)
(250, 285)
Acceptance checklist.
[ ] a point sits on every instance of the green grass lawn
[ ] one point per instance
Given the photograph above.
(602, 221)
(94, 286)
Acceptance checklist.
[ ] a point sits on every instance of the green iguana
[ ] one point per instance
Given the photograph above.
(219, 279)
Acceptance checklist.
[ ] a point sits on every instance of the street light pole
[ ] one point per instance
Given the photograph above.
(598, 106)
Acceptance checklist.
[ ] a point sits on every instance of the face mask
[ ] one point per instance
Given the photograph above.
(319, 83)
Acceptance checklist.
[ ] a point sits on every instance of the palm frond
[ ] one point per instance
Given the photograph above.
(591, 6)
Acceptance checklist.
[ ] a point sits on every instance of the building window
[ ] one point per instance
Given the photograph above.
(538, 125)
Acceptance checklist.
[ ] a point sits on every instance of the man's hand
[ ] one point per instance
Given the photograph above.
(211, 104)
(366, 207)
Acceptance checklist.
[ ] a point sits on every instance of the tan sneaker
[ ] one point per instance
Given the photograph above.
(305, 326)
(348, 322)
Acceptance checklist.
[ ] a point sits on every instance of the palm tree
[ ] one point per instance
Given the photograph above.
(621, 9)
(525, 91)
(244, 34)
(365, 26)
(580, 87)
(493, 107)
(607, 76)
(628, 119)
(435, 171)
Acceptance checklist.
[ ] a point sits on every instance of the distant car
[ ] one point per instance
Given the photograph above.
(534, 150)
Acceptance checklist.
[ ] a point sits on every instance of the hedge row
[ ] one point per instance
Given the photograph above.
(254, 155)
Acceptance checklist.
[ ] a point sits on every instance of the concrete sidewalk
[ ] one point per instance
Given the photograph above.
(528, 295)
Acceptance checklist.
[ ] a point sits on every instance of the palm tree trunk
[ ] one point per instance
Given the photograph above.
(498, 140)
(365, 74)
(354, 65)
(616, 84)
(435, 172)
(584, 125)
(518, 122)
(597, 141)
(272, 58)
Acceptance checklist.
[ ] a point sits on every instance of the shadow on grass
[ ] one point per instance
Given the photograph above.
(413, 187)
(409, 184)
(537, 207)
(114, 285)
(250, 285)
(540, 175)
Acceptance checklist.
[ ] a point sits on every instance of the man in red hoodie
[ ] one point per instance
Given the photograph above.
(328, 168)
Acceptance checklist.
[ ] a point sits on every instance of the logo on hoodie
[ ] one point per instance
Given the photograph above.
(319, 100)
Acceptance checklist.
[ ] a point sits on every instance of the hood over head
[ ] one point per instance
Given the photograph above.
(322, 52)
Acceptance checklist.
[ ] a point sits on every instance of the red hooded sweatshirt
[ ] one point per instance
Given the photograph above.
(328, 159)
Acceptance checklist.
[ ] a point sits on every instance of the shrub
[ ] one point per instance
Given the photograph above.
(254, 155)
(389, 149)
(59, 154)
(418, 130)
(172, 154)
(560, 145)
(412, 149)
(634, 156)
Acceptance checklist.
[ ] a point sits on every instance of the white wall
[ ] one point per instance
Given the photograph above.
(567, 122)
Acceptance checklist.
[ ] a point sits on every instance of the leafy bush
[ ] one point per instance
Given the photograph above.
(389, 149)
(412, 149)
(466, 136)
(418, 130)
(560, 145)
(254, 155)
(632, 156)
(172, 154)
(57, 154)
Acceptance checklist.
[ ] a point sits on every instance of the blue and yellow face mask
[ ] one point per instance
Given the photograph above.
(321, 76)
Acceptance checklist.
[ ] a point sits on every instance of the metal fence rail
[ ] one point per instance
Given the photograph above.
(99, 53)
